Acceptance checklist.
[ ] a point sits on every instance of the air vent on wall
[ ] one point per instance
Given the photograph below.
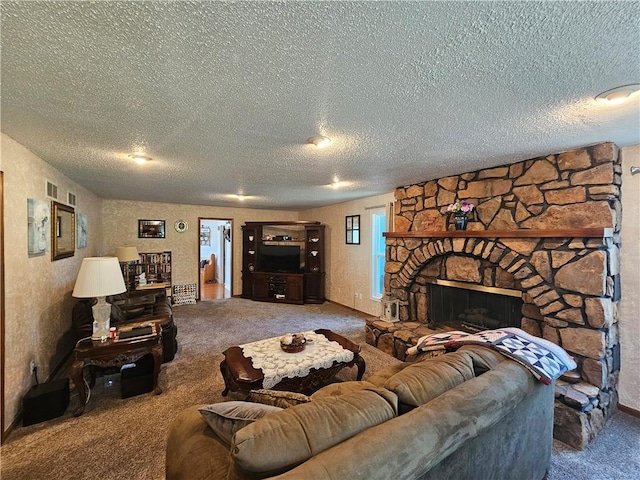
(71, 199)
(52, 190)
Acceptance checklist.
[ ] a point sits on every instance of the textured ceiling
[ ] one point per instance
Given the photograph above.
(223, 95)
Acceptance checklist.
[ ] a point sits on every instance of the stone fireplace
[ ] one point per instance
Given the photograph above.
(546, 230)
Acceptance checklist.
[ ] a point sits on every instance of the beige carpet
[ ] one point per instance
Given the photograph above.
(125, 439)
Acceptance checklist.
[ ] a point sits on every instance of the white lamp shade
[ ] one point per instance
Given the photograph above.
(127, 254)
(99, 277)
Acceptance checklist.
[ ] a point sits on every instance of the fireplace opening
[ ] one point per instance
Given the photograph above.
(471, 307)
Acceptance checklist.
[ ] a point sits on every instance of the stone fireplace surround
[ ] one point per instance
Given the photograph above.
(549, 227)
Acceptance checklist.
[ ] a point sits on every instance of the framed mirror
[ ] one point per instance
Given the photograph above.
(63, 231)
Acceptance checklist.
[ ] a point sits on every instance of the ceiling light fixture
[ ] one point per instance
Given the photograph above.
(319, 141)
(140, 159)
(619, 95)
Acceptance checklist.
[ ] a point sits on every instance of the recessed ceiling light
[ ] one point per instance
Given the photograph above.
(619, 95)
(140, 159)
(319, 141)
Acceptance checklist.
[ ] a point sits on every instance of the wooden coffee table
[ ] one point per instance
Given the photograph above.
(240, 375)
(115, 353)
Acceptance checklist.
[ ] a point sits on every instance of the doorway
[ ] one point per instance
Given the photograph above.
(215, 247)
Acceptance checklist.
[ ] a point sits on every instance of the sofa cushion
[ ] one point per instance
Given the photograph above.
(283, 440)
(341, 388)
(380, 377)
(135, 306)
(483, 358)
(421, 382)
(277, 398)
(226, 418)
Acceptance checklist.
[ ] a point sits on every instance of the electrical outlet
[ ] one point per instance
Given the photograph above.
(360, 295)
(32, 366)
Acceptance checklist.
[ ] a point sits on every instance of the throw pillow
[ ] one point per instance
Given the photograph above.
(226, 418)
(277, 398)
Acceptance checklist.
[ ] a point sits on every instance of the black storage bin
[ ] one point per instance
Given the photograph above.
(137, 380)
(45, 401)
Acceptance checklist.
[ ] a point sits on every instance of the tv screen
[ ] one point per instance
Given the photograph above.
(279, 258)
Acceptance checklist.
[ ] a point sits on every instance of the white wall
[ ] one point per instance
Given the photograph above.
(120, 226)
(348, 266)
(629, 323)
(38, 300)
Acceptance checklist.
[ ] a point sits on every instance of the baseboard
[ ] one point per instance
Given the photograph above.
(350, 308)
(18, 418)
(631, 411)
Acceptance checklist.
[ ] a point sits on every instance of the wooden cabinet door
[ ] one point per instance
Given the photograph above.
(294, 289)
(314, 287)
(260, 286)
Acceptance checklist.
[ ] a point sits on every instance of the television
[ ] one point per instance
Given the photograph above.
(279, 258)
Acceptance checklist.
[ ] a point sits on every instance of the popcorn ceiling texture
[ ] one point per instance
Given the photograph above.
(222, 95)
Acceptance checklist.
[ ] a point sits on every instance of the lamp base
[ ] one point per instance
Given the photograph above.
(101, 314)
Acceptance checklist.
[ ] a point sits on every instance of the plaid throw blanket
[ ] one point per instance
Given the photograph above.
(545, 360)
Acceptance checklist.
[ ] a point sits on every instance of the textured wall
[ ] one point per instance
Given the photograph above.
(120, 227)
(38, 298)
(630, 262)
(348, 266)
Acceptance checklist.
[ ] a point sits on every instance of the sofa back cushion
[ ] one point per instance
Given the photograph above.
(226, 418)
(421, 382)
(282, 440)
(483, 358)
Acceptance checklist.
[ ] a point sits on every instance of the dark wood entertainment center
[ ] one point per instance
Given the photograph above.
(263, 278)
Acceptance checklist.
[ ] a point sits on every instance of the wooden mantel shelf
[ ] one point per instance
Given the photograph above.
(520, 233)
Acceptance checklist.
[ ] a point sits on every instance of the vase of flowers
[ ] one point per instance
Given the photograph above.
(461, 211)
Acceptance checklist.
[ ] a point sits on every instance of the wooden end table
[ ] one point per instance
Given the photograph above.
(115, 353)
(240, 375)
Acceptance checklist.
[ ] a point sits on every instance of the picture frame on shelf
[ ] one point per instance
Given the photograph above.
(151, 229)
(352, 229)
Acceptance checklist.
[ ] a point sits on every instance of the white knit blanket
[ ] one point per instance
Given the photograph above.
(277, 364)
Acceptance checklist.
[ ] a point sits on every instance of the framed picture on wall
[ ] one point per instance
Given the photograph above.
(352, 228)
(151, 229)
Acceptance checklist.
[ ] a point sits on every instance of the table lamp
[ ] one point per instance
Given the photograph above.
(99, 277)
(126, 255)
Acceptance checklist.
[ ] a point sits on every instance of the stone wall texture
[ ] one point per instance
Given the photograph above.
(570, 285)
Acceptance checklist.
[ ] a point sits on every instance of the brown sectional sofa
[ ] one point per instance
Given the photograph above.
(471, 414)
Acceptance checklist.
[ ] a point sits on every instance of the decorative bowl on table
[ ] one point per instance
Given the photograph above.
(293, 342)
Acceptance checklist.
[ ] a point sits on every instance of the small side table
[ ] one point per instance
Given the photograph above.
(115, 353)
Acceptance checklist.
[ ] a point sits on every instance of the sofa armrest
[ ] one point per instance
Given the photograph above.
(193, 450)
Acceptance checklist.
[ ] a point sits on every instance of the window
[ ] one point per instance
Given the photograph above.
(378, 226)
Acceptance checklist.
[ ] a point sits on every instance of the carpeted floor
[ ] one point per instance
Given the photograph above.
(125, 439)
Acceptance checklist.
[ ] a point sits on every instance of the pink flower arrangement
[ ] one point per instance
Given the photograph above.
(460, 207)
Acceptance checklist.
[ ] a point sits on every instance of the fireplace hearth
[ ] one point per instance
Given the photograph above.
(472, 308)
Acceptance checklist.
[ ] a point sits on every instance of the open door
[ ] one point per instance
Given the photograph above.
(215, 258)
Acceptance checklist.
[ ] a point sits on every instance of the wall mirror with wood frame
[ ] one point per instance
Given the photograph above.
(63, 231)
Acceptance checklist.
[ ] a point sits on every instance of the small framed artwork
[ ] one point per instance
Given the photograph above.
(151, 229)
(81, 230)
(352, 224)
